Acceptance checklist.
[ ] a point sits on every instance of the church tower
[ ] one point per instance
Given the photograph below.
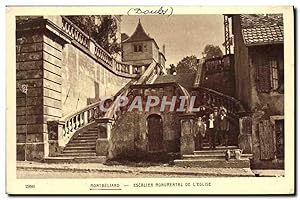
(141, 49)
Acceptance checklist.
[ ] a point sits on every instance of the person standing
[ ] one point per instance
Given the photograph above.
(211, 131)
(223, 127)
(199, 133)
(216, 117)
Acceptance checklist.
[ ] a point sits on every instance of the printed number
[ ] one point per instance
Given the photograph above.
(29, 186)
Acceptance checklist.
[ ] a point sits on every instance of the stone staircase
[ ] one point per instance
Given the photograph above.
(81, 148)
(207, 158)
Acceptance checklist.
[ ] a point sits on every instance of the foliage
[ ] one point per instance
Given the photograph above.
(104, 33)
(187, 65)
(172, 69)
(211, 51)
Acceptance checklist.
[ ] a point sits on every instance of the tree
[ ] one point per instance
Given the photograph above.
(85, 22)
(211, 51)
(104, 33)
(188, 64)
(172, 69)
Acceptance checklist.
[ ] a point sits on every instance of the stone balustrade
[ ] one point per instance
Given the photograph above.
(209, 99)
(219, 64)
(71, 123)
(95, 49)
(103, 55)
(75, 32)
(213, 98)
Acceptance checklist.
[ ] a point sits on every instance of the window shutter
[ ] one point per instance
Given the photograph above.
(266, 140)
(264, 77)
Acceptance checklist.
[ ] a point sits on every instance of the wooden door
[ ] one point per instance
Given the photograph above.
(155, 133)
(266, 139)
(279, 134)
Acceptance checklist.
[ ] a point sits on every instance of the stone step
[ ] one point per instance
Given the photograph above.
(211, 152)
(90, 132)
(218, 148)
(77, 154)
(76, 159)
(87, 138)
(90, 159)
(211, 163)
(93, 129)
(218, 156)
(83, 144)
(86, 147)
(83, 141)
(60, 159)
(204, 157)
(92, 150)
(89, 135)
(221, 147)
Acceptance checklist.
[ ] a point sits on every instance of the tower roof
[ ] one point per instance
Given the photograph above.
(139, 35)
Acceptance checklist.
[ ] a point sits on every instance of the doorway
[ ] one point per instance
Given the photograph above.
(155, 133)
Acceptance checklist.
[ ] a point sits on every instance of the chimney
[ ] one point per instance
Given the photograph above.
(164, 49)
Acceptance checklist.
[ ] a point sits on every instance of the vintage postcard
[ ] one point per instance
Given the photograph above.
(150, 100)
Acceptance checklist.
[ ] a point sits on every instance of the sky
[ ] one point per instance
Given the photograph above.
(183, 35)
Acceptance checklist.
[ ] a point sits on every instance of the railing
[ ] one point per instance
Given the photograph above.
(88, 115)
(103, 55)
(178, 91)
(210, 99)
(95, 49)
(75, 32)
(71, 123)
(213, 98)
(147, 74)
(219, 64)
(114, 113)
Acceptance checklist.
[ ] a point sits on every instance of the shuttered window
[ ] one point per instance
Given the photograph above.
(263, 76)
(268, 75)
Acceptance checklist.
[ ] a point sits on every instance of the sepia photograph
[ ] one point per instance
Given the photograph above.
(149, 93)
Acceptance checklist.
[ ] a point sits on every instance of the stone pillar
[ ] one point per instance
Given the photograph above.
(38, 63)
(130, 69)
(142, 69)
(92, 46)
(187, 143)
(103, 143)
(55, 137)
(245, 136)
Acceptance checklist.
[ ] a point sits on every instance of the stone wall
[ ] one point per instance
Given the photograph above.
(262, 106)
(241, 67)
(62, 77)
(131, 131)
(85, 81)
(130, 134)
(148, 54)
(222, 82)
(39, 66)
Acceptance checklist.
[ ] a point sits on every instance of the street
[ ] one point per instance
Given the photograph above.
(35, 174)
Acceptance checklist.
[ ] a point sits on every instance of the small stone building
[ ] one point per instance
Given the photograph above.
(259, 78)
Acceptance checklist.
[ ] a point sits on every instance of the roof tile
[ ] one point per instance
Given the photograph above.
(138, 35)
(262, 29)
